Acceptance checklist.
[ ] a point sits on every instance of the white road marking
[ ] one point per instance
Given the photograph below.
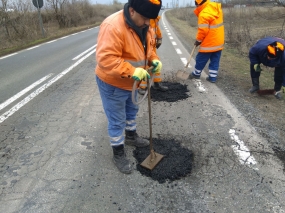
(24, 91)
(174, 43)
(8, 55)
(170, 37)
(178, 51)
(33, 47)
(184, 61)
(242, 151)
(81, 54)
(199, 85)
(51, 41)
(41, 89)
(64, 37)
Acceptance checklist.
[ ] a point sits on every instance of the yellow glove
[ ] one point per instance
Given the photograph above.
(257, 68)
(140, 74)
(157, 65)
(283, 89)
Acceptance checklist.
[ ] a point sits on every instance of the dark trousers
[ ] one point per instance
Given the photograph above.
(279, 72)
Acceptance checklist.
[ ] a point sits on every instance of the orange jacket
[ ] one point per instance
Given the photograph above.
(210, 27)
(119, 51)
(155, 25)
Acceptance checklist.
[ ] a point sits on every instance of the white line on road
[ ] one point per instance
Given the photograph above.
(178, 51)
(81, 54)
(24, 91)
(242, 151)
(41, 89)
(33, 47)
(51, 41)
(8, 55)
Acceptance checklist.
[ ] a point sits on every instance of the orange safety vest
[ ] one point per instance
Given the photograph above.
(153, 23)
(210, 27)
(119, 52)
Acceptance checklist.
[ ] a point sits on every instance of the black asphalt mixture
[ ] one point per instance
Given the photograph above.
(176, 163)
(175, 92)
(177, 160)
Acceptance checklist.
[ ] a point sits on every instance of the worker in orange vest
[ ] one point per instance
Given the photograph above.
(158, 41)
(210, 37)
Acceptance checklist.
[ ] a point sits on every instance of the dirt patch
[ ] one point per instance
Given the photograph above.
(176, 163)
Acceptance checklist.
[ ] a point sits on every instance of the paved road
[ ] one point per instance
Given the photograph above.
(55, 154)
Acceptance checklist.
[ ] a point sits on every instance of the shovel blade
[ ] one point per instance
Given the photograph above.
(151, 161)
(182, 75)
(266, 92)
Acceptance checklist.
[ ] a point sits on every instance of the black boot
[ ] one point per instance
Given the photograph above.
(133, 139)
(255, 85)
(120, 159)
(159, 86)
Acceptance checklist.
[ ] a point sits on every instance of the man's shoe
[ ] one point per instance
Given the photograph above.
(253, 89)
(192, 76)
(255, 85)
(133, 139)
(159, 86)
(278, 95)
(211, 79)
(141, 91)
(120, 159)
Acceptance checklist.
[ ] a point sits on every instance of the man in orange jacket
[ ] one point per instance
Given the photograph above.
(124, 52)
(154, 24)
(210, 37)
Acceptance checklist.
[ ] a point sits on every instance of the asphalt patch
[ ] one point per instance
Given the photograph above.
(176, 163)
(175, 92)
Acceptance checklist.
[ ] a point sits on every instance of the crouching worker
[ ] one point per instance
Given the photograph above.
(268, 51)
(124, 52)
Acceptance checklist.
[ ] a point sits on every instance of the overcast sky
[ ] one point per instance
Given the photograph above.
(164, 2)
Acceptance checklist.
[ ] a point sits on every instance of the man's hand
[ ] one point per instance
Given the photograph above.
(140, 74)
(157, 65)
(197, 43)
(158, 42)
(283, 89)
(257, 68)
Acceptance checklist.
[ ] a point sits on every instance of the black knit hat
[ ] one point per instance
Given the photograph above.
(147, 8)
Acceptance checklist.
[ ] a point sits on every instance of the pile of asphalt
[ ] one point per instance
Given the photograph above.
(175, 92)
(176, 163)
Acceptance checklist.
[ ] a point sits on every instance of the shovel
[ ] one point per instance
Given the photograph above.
(154, 158)
(266, 92)
(182, 74)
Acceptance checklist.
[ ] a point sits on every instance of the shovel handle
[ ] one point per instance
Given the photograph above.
(191, 54)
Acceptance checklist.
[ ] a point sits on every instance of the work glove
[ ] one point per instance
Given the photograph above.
(140, 74)
(283, 89)
(257, 68)
(158, 42)
(197, 43)
(157, 65)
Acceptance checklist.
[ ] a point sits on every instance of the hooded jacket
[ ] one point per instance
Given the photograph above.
(258, 53)
(121, 49)
(210, 27)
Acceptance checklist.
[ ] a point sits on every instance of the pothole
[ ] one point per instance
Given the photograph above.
(176, 163)
(175, 92)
